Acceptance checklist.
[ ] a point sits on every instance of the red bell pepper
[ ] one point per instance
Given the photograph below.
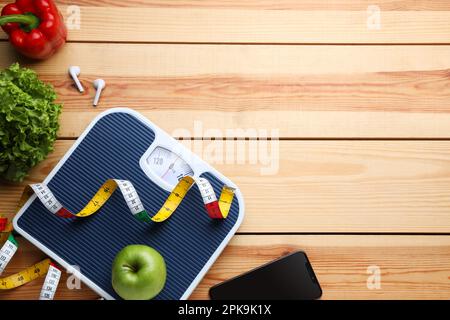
(35, 27)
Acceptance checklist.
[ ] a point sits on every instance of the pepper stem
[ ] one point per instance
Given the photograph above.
(27, 21)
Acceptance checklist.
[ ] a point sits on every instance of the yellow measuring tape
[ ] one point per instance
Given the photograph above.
(44, 267)
(25, 276)
(216, 209)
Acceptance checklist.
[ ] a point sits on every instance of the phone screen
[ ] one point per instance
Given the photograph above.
(288, 278)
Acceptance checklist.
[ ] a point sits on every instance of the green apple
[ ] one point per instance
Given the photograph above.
(138, 273)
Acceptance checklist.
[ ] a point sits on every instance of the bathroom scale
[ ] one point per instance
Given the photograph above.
(122, 144)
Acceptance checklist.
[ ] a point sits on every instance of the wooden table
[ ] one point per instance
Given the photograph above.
(362, 113)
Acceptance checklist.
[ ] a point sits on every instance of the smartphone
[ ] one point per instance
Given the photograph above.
(288, 278)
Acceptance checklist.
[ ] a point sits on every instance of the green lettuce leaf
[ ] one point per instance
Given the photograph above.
(28, 121)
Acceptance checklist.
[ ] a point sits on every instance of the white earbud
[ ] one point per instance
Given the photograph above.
(74, 72)
(99, 84)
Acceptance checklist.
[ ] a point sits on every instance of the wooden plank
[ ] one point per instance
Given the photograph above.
(324, 186)
(234, 24)
(373, 92)
(350, 5)
(411, 267)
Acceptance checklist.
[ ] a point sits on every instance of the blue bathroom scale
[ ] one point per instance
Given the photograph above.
(123, 144)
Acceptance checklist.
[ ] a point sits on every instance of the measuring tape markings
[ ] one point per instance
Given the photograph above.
(9, 249)
(53, 274)
(7, 252)
(50, 283)
(216, 209)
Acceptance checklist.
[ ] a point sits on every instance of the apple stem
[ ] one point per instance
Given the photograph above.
(130, 267)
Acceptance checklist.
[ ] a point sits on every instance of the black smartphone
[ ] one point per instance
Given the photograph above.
(288, 278)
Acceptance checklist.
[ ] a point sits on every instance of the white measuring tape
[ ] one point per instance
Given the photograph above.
(6, 253)
(50, 283)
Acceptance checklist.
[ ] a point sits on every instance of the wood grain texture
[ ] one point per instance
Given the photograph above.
(300, 67)
(415, 267)
(234, 24)
(372, 92)
(350, 5)
(326, 186)
(412, 267)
